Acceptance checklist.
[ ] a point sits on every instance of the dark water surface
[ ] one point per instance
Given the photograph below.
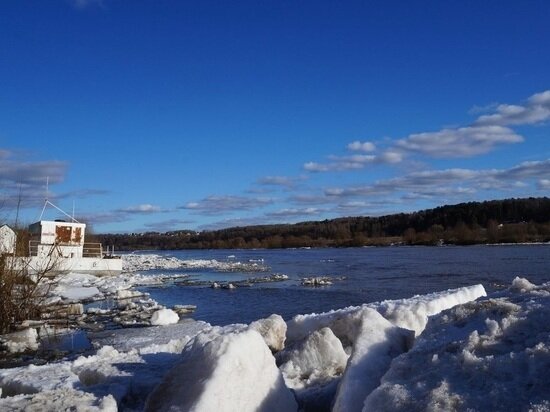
(371, 274)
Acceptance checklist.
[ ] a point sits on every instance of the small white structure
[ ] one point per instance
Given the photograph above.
(7, 240)
(60, 245)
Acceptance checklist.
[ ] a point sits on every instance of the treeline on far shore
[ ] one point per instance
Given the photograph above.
(497, 221)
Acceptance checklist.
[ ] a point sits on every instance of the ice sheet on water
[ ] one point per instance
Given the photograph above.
(136, 262)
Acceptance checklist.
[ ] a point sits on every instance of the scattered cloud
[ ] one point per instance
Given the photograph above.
(536, 110)
(484, 135)
(460, 142)
(217, 205)
(308, 199)
(23, 181)
(353, 162)
(358, 146)
(283, 181)
(543, 184)
(145, 208)
(434, 183)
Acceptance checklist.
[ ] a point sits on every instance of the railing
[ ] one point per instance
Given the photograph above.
(92, 250)
(88, 250)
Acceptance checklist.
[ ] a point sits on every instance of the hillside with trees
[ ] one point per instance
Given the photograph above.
(497, 221)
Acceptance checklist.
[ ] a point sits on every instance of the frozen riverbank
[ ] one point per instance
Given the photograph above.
(371, 357)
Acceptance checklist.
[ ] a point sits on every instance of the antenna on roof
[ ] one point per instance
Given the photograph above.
(47, 202)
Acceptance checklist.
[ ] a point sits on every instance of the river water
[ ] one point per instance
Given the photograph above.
(361, 275)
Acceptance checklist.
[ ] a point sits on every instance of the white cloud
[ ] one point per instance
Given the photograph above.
(284, 181)
(358, 146)
(23, 181)
(141, 209)
(353, 162)
(435, 183)
(536, 110)
(216, 205)
(543, 184)
(459, 142)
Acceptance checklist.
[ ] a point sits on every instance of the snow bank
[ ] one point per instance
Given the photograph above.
(232, 372)
(492, 354)
(411, 313)
(164, 317)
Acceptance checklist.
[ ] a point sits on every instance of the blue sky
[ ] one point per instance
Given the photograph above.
(198, 115)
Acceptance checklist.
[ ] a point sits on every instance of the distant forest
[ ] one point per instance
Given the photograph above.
(497, 221)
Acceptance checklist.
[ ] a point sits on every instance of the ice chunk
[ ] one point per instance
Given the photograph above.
(521, 285)
(232, 372)
(164, 317)
(492, 354)
(413, 313)
(377, 342)
(21, 341)
(317, 360)
(273, 330)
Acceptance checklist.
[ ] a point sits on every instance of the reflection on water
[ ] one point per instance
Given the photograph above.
(371, 274)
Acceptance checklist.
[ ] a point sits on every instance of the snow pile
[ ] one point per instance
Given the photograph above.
(373, 334)
(411, 313)
(232, 371)
(492, 354)
(164, 317)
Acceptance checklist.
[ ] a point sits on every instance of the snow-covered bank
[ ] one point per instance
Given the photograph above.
(474, 354)
(489, 355)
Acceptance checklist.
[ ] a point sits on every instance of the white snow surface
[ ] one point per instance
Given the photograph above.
(163, 317)
(376, 343)
(232, 371)
(273, 331)
(485, 354)
(411, 313)
(489, 355)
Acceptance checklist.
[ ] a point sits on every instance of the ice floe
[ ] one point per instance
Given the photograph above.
(139, 262)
